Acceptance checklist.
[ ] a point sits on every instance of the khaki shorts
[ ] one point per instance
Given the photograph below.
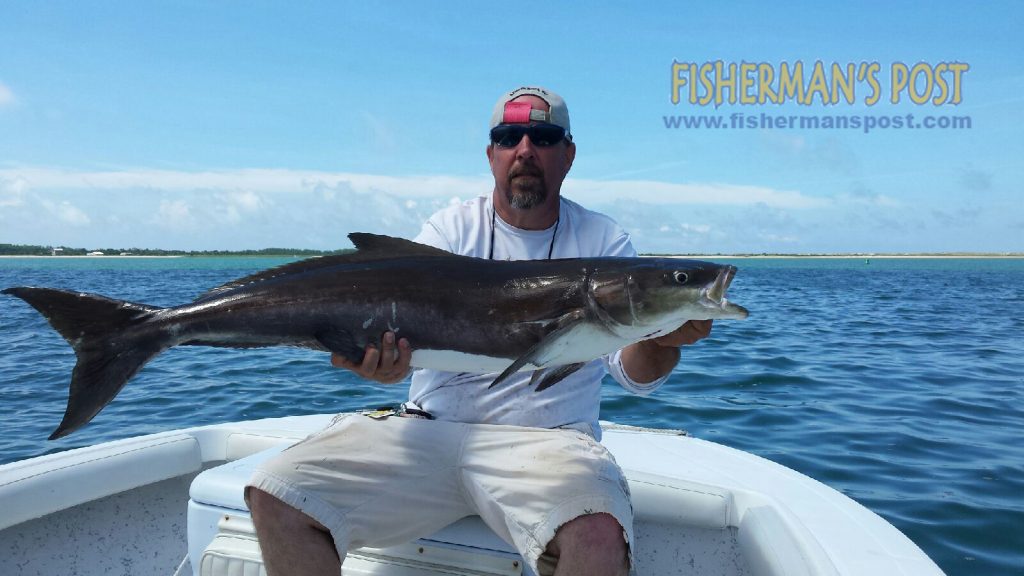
(386, 482)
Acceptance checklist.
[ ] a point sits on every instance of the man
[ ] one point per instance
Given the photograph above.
(527, 462)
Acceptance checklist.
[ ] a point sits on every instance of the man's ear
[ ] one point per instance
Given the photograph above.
(570, 155)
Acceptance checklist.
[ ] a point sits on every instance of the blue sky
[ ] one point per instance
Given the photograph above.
(244, 125)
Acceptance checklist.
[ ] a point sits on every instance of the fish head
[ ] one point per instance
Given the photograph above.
(664, 293)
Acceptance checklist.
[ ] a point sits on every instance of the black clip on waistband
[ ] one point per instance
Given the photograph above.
(417, 413)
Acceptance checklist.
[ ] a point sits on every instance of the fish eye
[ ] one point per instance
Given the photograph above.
(680, 277)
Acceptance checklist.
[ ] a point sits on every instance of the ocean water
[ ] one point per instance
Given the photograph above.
(899, 382)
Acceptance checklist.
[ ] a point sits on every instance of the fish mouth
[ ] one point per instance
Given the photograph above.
(714, 295)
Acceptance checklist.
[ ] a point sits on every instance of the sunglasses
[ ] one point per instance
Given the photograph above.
(542, 135)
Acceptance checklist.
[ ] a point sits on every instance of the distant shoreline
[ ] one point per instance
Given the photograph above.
(91, 257)
(38, 251)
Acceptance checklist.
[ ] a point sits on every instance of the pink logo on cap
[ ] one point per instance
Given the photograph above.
(517, 113)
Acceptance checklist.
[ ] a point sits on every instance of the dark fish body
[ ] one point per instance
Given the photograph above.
(459, 313)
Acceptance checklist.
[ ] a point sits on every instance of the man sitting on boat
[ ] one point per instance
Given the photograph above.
(528, 463)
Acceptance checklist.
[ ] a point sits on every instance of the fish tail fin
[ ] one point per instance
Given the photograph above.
(107, 341)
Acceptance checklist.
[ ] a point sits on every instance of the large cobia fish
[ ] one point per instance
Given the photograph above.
(459, 313)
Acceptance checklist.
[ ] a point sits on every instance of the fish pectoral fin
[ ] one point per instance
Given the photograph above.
(340, 342)
(546, 347)
(548, 377)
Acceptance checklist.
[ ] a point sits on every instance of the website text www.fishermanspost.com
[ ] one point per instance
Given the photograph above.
(833, 85)
(863, 122)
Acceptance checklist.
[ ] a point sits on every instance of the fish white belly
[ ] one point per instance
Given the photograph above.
(454, 361)
(581, 343)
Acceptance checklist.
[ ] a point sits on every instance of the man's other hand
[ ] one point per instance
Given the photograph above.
(690, 333)
(387, 364)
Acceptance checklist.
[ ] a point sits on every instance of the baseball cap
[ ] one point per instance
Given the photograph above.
(507, 112)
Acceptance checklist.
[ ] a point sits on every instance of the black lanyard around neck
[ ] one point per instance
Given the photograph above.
(551, 247)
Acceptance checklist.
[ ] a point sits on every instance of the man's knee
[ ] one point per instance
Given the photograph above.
(291, 541)
(262, 504)
(266, 508)
(598, 533)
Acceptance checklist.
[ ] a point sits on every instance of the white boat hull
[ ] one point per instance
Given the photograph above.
(701, 508)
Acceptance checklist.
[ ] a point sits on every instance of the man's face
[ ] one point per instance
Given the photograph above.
(526, 174)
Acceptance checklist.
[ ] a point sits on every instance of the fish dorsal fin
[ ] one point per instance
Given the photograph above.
(377, 246)
(369, 248)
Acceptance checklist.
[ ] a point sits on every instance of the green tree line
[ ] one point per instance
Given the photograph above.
(32, 250)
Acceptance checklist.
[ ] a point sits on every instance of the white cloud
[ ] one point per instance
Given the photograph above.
(697, 228)
(12, 192)
(235, 206)
(248, 201)
(175, 215)
(6, 96)
(278, 181)
(257, 180)
(258, 208)
(710, 194)
(67, 213)
(700, 229)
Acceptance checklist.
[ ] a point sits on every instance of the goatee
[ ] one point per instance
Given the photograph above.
(526, 188)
